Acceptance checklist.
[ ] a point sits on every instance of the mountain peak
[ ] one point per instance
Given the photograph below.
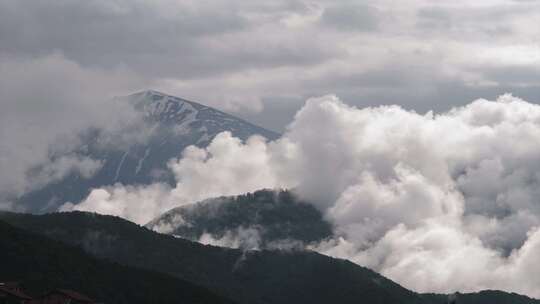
(152, 96)
(153, 92)
(174, 124)
(163, 107)
(166, 108)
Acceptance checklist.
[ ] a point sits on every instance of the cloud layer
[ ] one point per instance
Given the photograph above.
(253, 58)
(61, 60)
(438, 202)
(200, 173)
(46, 103)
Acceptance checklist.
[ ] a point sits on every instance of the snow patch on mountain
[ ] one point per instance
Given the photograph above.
(166, 126)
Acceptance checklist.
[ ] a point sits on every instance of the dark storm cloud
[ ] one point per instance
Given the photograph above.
(514, 75)
(89, 26)
(109, 34)
(204, 50)
(477, 23)
(165, 39)
(351, 17)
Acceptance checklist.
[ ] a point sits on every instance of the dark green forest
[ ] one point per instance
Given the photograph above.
(264, 276)
(277, 215)
(42, 264)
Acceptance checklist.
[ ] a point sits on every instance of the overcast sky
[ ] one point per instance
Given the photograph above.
(262, 59)
(62, 61)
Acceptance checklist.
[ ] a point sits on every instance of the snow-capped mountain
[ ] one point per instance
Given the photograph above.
(170, 124)
(188, 116)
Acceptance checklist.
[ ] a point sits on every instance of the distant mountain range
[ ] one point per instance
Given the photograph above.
(173, 124)
(282, 276)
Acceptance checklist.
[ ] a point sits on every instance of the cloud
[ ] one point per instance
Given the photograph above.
(245, 238)
(351, 17)
(136, 203)
(46, 103)
(200, 173)
(241, 56)
(432, 201)
(248, 238)
(102, 33)
(438, 202)
(148, 37)
(167, 227)
(59, 168)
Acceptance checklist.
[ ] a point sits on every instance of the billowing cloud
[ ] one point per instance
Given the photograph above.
(200, 174)
(438, 202)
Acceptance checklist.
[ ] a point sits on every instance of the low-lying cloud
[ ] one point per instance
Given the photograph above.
(200, 174)
(46, 103)
(438, 202)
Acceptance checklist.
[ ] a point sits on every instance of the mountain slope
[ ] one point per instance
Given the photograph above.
(169, 124)
(482, 297)
(271, 219)
(245, 276)
(42, 264)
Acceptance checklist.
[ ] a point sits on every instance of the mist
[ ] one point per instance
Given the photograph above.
(437, 202)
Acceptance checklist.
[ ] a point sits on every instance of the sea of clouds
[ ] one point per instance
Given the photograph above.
(437, 202)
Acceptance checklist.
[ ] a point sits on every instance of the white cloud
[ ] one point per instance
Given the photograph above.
(245, 238)
(168, 226)
(59, 168)
(226, 167)
(437, 202)
(136, 203)
(45, 103)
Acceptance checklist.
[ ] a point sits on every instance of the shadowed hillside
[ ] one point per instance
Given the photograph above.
(245, 276)
(42, 264)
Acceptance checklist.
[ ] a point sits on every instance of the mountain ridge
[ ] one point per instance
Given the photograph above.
(42, 264)
(169, 125)
(265, 276)
(271, 218)
(284, 276)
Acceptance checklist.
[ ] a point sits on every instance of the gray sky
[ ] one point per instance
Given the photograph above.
(262, 59)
